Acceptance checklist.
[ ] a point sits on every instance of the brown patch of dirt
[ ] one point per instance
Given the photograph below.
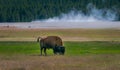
(7, 27)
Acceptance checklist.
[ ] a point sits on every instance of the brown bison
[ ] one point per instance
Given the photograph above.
(51, 42)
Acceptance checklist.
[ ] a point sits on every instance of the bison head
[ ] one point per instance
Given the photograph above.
(59, 49)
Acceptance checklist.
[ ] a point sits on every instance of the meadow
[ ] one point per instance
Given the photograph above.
(16, 55)
(72, 48)
(86, 49)
(14, 34)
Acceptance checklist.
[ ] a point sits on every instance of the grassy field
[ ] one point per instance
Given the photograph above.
(91, 55)
(72, 48)
(65, 34)
(86, 49)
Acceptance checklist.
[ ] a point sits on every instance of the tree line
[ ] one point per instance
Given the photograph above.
(29, 10)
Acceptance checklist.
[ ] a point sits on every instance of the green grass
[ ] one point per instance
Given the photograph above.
(93, 47)
(72, 48)
(19, 48)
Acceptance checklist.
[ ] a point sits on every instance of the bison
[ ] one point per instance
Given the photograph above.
(51, 42)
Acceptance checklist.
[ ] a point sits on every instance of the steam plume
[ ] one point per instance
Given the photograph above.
(93, 15)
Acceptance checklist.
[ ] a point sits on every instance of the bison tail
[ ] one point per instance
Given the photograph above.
(38, 39)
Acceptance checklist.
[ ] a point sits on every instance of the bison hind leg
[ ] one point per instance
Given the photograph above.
(45, 51)
(41, 50)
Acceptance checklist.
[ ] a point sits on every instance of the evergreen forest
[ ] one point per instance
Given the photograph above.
(29, 10)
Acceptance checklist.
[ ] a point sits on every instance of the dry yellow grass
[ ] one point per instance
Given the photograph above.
(89, 62)
(14, 34)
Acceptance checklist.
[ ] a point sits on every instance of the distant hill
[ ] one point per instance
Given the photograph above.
(29, 10)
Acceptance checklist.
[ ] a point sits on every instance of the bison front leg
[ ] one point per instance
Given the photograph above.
(55, 50)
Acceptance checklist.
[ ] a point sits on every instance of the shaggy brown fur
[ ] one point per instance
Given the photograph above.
(49, 42)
